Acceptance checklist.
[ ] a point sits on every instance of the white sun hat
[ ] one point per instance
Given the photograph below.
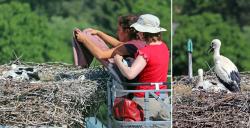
(148, 23)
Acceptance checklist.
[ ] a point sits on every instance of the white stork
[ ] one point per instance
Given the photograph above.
(225, 70)
(207, 85)
(201, 83)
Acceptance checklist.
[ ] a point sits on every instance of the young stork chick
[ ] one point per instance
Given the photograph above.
(208, 86)
(201, 83)
(225, 70)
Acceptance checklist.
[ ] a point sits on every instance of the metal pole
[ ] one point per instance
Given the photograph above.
(109, 103)
(146, 109)
(190, 50)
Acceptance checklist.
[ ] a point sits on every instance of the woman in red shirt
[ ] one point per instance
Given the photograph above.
(127, 44)
(150, 64)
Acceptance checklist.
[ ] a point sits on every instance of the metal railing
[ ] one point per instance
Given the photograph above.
(112, 90)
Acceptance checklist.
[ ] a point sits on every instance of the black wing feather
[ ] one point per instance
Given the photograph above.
(235, 76)
(230, 86)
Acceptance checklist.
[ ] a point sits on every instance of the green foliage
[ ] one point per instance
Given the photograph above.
(156, 7)
(41, 30)
(19, 33)
(102, 113)
(202, 29)
(234, 11)
(33, 37)
(61, 30)
(204, 20)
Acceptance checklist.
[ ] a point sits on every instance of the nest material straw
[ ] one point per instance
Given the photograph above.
(60, 98)
(216, 110)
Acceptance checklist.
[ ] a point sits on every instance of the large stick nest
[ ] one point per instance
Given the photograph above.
(217, 110)
(63, 96)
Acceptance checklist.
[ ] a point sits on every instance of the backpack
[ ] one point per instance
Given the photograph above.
(125, 109)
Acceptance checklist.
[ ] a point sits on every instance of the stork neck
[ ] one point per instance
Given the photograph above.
(217, 51)
(201, 78)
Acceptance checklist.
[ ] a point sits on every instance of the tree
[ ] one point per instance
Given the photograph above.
(48, 25)
(202, 29)
(235, 11)
(32, 37)
(19, 34)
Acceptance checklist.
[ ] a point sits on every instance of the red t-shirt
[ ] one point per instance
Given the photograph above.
(157, 57)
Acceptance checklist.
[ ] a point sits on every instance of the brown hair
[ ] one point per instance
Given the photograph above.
(152, 37)
(125, 22)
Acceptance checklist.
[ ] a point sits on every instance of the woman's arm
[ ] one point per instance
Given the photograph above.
(96, 51)
(130, 72)
(108, 39)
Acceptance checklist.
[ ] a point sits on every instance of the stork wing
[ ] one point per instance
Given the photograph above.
(227, 71)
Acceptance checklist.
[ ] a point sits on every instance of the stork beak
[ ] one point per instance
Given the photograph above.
(210, 49)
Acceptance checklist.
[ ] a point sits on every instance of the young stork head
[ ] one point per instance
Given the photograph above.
(215, 46)
(200, 75)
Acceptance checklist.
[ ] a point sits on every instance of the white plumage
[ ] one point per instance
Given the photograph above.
(201, 83)
(225, 69)
(207, 85)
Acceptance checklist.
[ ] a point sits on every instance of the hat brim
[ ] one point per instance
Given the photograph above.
(148, 29)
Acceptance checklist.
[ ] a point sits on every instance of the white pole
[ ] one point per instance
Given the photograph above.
(190, 67)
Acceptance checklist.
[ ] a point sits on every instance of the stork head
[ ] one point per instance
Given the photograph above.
(215, 44)
(200, 72)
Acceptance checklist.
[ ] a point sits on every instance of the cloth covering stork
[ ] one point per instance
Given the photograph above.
(225, 69)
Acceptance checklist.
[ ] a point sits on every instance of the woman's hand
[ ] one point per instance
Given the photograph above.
(94, 31)
(79, 35)
(118, 58)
